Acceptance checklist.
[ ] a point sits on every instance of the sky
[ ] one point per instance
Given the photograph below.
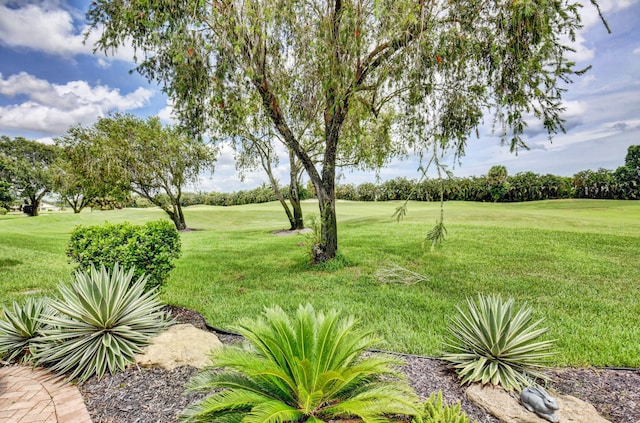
(50, 80)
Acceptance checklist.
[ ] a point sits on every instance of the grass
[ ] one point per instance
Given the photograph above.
(575, 261)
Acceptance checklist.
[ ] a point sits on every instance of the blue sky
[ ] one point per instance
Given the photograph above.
(50, 80)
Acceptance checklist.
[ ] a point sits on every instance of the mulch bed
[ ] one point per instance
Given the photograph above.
(157, 395)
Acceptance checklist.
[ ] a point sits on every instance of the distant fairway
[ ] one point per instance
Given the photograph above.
(577, 262)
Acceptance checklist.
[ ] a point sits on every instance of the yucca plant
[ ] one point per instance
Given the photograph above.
(495, 343)
(18, 328)
(309, 368)
(102, 319)
(436, 411)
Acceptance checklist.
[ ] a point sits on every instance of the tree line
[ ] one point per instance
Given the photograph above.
(99, 167)
(496, 186)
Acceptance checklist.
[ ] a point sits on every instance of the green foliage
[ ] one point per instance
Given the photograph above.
(436, 411)
(306, 368)
(149, 249)
(5, 191)
(102, 319)
(627, 177)
(123, 153)
(312, 238)
(494, 343)
(598, 184)
(3, 211)
(27, 166)
(498, 182)
(19, 328)
(523, 186)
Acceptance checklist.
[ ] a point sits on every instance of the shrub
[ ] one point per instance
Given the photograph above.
(309, 368)
(18, 329)
(494, 343)
(435, 411)
(102, 319)
(149, 248)
(3, 211)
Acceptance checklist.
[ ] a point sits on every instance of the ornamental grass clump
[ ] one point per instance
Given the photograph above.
(101, 320)
(19, 327)
(309, 368)
(495, 343)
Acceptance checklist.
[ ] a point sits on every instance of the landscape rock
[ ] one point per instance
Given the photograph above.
(180, 345)
(506, 407)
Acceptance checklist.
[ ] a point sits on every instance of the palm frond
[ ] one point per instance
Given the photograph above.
(301, 368)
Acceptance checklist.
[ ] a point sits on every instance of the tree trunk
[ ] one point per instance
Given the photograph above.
(294, 193)
(178, 217)
(32, 209)
(266, 165)
(174, 212)
(328, 247)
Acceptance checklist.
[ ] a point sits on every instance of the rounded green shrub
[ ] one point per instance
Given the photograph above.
(149, 249)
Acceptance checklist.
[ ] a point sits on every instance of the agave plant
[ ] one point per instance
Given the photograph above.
(18, 328)
(306, 369)
(102, 320)
(495, 343)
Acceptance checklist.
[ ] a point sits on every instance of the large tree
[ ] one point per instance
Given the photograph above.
(143, 156)
(75, 181)
(627, 177)
(259, 152)
(357, 73)
(27, 168)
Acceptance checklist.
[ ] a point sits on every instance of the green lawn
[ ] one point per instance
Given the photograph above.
(577, 262)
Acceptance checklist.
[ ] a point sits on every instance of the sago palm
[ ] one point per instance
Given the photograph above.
(495, 343)
(306, 369)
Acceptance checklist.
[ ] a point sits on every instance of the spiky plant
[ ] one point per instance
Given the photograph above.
(18, 328)
(495, 343)
(309, 368)
(102, 320)
(436, 411)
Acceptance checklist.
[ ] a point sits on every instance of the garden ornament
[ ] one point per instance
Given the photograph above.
(537, 400)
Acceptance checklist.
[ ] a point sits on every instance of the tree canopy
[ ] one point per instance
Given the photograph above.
(26, 166)
(357, 79)
(142, 155)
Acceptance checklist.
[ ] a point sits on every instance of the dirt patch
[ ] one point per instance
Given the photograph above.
(156, 395)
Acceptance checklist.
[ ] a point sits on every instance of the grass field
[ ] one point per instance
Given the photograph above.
(577, 262)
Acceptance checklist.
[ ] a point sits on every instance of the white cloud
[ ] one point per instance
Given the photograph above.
(590, 19)
(53, 108)
(636, 51)
(46, 27)
(166, 113)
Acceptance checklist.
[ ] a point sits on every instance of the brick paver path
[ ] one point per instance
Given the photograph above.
(30, 395)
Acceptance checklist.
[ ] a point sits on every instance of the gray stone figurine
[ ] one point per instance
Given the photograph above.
(537, 400)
